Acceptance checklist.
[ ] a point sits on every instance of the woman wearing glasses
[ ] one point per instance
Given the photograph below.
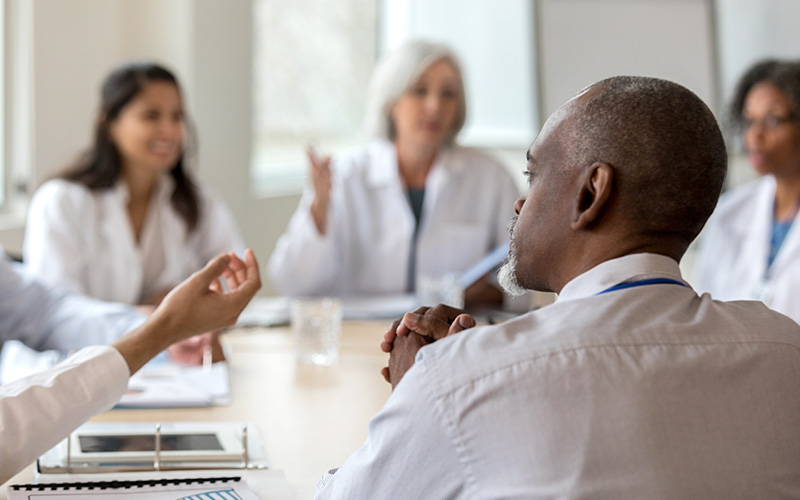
(751, 249)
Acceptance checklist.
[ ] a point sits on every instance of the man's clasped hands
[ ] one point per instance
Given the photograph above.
(415, 330)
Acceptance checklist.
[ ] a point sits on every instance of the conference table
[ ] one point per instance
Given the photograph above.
(309, 418)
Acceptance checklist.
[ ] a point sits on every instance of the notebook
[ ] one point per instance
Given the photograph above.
(200, 488)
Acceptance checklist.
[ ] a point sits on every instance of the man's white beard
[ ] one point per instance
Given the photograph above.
(507, 276)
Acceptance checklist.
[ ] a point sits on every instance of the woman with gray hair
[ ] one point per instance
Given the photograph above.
(411, 203)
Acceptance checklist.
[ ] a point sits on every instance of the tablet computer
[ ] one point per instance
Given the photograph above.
(139, 446)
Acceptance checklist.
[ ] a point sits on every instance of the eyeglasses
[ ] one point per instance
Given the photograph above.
(768, 123)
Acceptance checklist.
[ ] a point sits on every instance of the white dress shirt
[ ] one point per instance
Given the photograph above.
(366, 249)
(648, 392)
(732, 260)
(37, 411)
(82, 241)
(44, 319)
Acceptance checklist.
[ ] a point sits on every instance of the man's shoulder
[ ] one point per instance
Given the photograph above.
(646, 320)
(461, 359)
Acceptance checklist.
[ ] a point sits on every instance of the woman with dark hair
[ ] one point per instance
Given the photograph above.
(126, 223)
(751, 246)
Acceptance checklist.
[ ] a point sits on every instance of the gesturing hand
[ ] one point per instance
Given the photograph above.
(199, 304)
(321, 179)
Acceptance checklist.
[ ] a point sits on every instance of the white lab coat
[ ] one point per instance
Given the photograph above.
(469, 199)
(82, 241)
(732, 259)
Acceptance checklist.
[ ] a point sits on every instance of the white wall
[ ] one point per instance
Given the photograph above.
(582, 41)
(749, 31)
(208, 43)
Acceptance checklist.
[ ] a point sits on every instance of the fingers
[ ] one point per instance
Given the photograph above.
(461, 323)
(426, 325)
(311, 154)
(243, 275)
(213, 269)
(251, 265)
(389, 336)
(320, 165)
(385, 373)
(236, 273)
(403, 329)
(446, 312)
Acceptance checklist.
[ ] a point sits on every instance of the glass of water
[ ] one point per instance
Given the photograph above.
(317, 327)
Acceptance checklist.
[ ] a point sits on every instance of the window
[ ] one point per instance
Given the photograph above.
(312, 64)
(16, 111)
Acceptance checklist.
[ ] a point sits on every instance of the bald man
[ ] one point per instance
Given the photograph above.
(630, 385)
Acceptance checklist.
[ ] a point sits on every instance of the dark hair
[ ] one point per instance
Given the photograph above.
(666, 147)
(100, 166)
(785, 75)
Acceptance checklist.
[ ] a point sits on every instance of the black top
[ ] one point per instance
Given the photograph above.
(416, 197)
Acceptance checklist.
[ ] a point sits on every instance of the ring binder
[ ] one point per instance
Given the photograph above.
(210, 487)
(116, 485)
(159, 464)
(97, 448)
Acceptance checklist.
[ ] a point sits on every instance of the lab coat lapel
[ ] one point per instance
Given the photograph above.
(177, 263)
(384, 175)
(757, 226)
(438, 180)
(789, 251)
(128, 277)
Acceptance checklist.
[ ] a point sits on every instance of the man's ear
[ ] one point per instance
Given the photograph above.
(594, 193)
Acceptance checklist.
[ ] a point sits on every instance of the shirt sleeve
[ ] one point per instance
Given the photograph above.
(407, 454)
(36, 412)
(45, 319)
(304, 261)
(52, 248)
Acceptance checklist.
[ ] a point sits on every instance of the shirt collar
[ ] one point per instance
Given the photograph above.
(163, 189)
(384, 170)
(612, 272)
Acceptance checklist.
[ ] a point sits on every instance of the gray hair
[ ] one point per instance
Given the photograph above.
(396, 73)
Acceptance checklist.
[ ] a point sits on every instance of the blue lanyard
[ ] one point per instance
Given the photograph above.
(651, 281)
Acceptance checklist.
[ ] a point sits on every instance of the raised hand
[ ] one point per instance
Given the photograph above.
(321, 179)
(195, 306)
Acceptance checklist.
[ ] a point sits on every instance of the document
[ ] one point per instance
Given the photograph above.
(167, 384)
